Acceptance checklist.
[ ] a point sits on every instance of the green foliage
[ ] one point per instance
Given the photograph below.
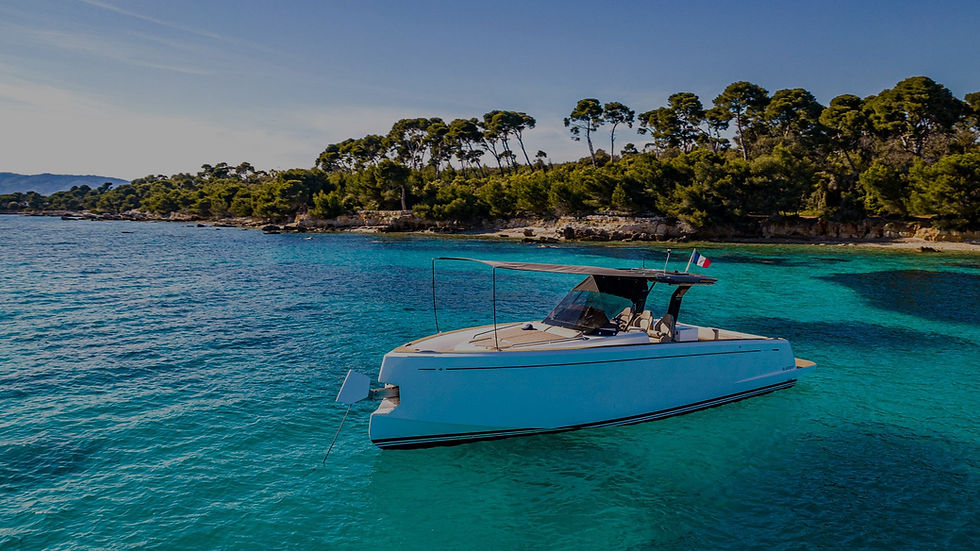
(885, 188)
(586, 117)
(950, 189)
(615, 113)
(392, 181)
(530, 192)
(620, 200)
(495, 196)
(243, 204)
(915, 111)
(456, 201)
(780, 182)
(277, 199)
(745, 103)
(794, 115)
(327, 205)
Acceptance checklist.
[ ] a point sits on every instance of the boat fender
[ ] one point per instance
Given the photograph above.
(356, 387)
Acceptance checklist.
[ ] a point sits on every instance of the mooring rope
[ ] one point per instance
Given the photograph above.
(336, 435)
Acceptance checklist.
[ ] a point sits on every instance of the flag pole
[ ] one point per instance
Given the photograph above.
(688, 268)
(667, 260)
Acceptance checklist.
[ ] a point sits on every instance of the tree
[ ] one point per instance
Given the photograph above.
(586, 116)
(745, 102)
(327, 205)
(716, 120)
(847, 128)
(440, 150)
(780, 182)
(663, 126)
(688, 112)
(337, 156)
(914, 111)
(509, 157)
(794, 114)
(407, 138)
(393, 176)
(677, 125)
(847, 124)
(519, 123)
(885, 189)
(368, 150)
(539, 160)
(972, 102)
(462, 135)
(949, 188)
(278, 198)
(629, 149)
(502, 124)
(492, 132)
(616, 113)
(620, 200)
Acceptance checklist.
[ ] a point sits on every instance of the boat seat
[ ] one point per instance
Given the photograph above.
(643, 321)
(663, 330)
(624, 319)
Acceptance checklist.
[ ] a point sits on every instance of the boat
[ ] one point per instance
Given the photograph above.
(601, 358)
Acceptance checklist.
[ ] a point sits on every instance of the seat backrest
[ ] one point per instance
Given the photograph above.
(663, 329)
(643, 320)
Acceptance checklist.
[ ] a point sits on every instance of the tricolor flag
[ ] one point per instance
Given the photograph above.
(697, 260)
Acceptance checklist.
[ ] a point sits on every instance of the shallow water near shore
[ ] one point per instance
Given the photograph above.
(173, 388)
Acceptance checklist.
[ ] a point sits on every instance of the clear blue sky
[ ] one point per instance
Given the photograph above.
(132, 87)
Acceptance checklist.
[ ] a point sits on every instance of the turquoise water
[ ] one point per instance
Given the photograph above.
(169, 386)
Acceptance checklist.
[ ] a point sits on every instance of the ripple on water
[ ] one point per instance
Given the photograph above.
(173, 387)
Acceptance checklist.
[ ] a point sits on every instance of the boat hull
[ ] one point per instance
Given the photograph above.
(451, 398)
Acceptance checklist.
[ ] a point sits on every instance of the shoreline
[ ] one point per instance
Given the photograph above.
(900, 243)
(596, 229)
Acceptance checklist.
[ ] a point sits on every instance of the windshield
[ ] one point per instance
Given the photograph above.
(587, 311)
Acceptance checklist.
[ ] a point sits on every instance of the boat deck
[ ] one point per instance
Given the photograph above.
(540, 336)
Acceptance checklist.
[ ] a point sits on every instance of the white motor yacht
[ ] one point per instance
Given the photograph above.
(600, 358)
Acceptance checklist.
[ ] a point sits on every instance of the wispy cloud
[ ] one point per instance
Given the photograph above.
(171, 25)
(117, 9)
(98, 46)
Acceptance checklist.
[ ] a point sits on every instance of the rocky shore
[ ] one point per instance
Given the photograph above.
(919, 234)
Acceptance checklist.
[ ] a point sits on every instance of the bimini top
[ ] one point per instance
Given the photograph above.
(660, 276)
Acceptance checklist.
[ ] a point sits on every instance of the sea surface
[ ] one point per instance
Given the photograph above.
(168, 386)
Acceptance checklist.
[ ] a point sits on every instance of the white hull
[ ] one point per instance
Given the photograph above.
(449, 397)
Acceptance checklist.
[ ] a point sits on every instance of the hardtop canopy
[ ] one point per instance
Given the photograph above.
(647, 274)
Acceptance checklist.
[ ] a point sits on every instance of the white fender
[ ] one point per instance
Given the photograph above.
(356, 387)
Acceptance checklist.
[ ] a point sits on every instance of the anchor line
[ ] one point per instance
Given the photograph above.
(334, 441)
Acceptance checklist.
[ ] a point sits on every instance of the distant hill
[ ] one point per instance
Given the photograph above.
(46, 184)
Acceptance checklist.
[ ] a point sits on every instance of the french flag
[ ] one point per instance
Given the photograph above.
(699, 260)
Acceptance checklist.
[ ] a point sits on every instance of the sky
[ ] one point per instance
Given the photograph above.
(128, 88)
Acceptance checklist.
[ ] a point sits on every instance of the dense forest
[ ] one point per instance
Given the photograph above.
(911, 150)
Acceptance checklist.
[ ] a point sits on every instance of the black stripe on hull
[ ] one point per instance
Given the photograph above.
(430, 441)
